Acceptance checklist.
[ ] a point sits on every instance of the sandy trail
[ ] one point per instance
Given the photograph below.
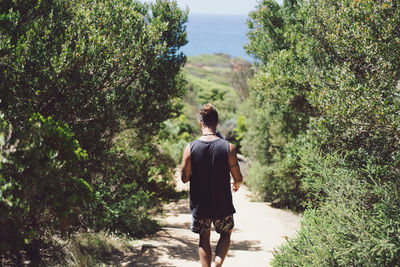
(259, 229)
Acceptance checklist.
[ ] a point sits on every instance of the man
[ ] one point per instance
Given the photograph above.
(207, 163)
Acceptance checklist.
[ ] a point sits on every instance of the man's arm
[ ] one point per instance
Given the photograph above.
(234, 168)
(186, 167)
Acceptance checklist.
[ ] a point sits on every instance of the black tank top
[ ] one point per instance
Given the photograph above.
(210, 189)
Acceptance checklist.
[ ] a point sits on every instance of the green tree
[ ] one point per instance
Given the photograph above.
(350, 155)
(277, 110)
(324, 113)
(99, 66)
(75, 76)
(42, 187)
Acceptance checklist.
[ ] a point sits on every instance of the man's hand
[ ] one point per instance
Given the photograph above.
(235, 186)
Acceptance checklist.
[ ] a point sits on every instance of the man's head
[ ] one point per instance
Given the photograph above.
(209, 116)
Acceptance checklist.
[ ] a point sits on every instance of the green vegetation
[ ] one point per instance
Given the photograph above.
(322, 121)
(96, 108)
(93, 123)
(277, 110)
(211, 79)
(85, 86)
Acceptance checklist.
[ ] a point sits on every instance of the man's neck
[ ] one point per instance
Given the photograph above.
(208, 131)
(208, 134)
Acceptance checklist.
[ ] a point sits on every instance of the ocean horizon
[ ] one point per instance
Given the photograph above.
(211, 34)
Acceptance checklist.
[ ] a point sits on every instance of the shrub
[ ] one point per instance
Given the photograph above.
(279, 182)
(74, 75)
(277, 109)
(43, 182)
(349, 160)
(356, 224)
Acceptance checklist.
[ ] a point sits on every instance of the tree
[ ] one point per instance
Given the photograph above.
(350, 154)
(118, 63)
(277, 110)
(42, 181)
(74, 76)
(324, 111)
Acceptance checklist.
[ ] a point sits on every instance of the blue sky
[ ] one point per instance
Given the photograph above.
(223, 7)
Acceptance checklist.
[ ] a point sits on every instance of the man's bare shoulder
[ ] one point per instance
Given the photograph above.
(232, 149)
(186, 151)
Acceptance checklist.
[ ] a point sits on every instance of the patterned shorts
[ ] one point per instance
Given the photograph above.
(221, 225)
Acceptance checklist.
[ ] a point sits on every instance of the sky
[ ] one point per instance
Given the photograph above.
(221, 7)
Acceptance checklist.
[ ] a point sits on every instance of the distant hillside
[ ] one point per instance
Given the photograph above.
(215, 79)
(211, 80)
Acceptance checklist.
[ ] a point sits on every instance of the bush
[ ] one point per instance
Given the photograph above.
(175, 135)
(137, 177)
(74, 75)
(355, 225)
(280, 182)
(323, 111)
(277, 110)
(42, 181)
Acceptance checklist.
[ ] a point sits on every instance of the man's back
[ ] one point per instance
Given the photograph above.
(210, 191)
(207, 163)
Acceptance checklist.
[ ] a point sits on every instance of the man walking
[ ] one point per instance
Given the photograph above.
(207, 163)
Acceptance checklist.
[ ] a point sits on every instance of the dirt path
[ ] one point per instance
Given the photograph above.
(259, 228)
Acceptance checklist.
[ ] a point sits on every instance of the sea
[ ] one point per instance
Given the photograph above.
(209, 34)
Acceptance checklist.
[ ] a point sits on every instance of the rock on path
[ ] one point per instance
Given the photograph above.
(259, 229)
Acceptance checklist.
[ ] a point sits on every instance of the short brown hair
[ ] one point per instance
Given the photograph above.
(209, 115)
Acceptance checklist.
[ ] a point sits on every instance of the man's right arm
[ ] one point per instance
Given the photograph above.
(186, 167)
(234, 168)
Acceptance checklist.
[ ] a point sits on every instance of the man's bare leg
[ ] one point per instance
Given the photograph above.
(223, 245)
(205, 253)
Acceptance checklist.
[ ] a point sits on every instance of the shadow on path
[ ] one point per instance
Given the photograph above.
(253, 240)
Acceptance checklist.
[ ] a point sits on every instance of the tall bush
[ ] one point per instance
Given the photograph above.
(349, 159)
(74, 76)
(42, 183)
(277, 110)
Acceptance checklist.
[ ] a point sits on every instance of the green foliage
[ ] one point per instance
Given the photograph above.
(357, 99)
(277, 109)
(175, 135)
(6, 198)
(328, 84)
(210, 81)
(136, 177)
(241, 128)
(209, 91)
(43, 180)
(279, 181)
(356, 225)
(75, 77)
(95, 64)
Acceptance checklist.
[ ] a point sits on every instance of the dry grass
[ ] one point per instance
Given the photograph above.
(96, 249)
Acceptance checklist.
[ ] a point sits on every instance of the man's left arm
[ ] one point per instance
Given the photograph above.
(186, 167)
(234, 168)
